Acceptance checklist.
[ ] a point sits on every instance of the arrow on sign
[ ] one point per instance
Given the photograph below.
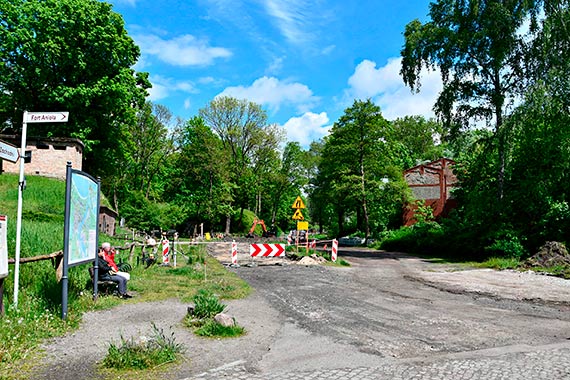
(267, 250)
(46, 117)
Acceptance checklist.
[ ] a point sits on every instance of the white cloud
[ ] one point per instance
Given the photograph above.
(163, 87)
(185, 50)
(386, 88)
(275, 66)
(307, 128)
(301, 22)
(328, 50)
(274, 93)
(290, 18)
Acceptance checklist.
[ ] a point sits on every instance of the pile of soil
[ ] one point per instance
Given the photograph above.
(552, 254)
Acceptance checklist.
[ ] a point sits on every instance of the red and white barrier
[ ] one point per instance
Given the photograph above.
(289, 239)
(334, 250)
(165, 252)
(267, 250)
(234, 252)
(314, 244)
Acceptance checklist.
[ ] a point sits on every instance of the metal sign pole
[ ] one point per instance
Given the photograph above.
(21, 186)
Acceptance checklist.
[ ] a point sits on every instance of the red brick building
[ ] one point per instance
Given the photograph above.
(431, 183)
(49, 155)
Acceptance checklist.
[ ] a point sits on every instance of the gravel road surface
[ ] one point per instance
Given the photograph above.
(387, 316)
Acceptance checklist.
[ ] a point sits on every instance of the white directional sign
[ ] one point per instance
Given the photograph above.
(8, 152)
(46, 117)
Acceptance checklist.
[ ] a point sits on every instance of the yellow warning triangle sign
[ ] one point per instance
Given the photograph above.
(298, 215)
(298, 203)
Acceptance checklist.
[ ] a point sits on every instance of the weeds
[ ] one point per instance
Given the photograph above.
(207, 305)
(143, 353)
(196, 254)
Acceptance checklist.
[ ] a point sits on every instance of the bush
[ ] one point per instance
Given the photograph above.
(420, 238)
(508, 246)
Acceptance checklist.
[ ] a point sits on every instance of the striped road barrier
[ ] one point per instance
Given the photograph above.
(267, 250)
(334, 250)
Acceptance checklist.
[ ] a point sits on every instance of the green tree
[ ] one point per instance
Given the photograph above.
(477, 46)
(356, 162)
(419, 139)
(247, 139)
(200, 183)
(70, 55)
(285, 183)
(144, 155)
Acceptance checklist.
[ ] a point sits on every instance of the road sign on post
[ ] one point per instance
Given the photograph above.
(298, 215)
(29, 117)
(8, 151)
(298, 203)
(46, 117)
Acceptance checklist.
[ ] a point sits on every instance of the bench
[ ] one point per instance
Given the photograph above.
(104, 287)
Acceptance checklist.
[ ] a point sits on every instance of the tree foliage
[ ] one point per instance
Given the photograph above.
(249, 142)
(477, 46)
(355, 168)
(70, 55)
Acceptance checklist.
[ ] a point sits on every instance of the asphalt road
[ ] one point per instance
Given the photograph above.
(387, 316)
(377, 319)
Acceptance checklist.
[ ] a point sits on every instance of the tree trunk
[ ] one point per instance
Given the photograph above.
(502, 156)
(364, 204)
(228, 223)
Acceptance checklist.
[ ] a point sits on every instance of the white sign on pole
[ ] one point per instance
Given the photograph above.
(46, 117)
(3, 246)
(29, 117)
(8, 151)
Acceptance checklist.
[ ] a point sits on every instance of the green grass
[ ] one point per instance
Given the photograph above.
(38, 316)
(201, 320)
(143, 353)
(212, 329)
(499, 263)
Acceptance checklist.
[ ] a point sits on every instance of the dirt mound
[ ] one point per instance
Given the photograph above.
(551, 254)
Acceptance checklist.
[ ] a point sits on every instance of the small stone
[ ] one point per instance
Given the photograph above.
(225, 320)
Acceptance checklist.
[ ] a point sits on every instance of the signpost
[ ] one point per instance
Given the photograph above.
(46, 117)
(298, 216)
(3, 258)
(29, 117)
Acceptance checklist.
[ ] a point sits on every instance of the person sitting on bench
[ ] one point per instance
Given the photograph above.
(107, 273)
(109, 255)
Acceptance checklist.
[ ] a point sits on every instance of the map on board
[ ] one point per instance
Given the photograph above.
(83, 215)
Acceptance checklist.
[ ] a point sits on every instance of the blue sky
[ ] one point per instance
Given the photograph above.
(304, 61)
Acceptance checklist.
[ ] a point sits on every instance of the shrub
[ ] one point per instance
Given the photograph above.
(506, 244)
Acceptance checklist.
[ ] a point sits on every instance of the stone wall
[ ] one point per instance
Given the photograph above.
(49, 156)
